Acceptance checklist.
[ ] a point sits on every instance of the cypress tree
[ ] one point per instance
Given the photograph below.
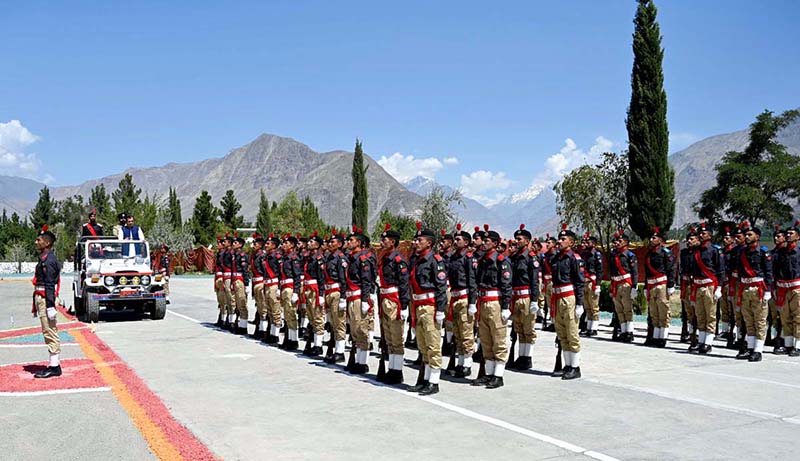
(45, 210)
(651, 193)
(204, 219)
(127, 198)
(360, 196)
(229, 209)
(263, 219)
(174, 209)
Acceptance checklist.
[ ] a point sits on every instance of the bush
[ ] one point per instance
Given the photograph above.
(607, 304)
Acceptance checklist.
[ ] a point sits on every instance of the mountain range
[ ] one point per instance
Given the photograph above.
(279, 165)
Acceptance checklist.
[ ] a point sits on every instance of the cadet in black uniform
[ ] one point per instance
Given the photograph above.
(46, 284)
(567, 298)
(393, 273)
(462, 272)
(525, 288)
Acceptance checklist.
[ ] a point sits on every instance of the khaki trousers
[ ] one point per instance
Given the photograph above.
(49, 327)
(289, 308)
(659, 306)
(623, 303)
(392, 326)
(548, 295)
(754, 311)
(774, 312)
(315, 312)
(705, 308)
(463, 327)
(448, 324)
(240, 296)
(273, 304)
(429, 338)
(725, 308)
(567, 324)
(523, 321)
(338, 317)
(591, 303)
(790, 314)
(219, 288)
(737, 308)
(359, 325)
(229, 303)
(260, 298)
(687, 304)
(492, 331)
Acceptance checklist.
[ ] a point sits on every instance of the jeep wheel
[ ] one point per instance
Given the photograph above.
(159, 309)
(92, 308)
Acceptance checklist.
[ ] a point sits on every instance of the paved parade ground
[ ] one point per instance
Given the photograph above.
(180, 388)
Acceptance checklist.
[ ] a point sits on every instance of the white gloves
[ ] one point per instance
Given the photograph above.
(404, 314)
(578, 311)
(634, 292)
(439, 318)
(294, 298)
(534, 308)
(472, 310)
(51, 313)
(597, 290)
(717, 294)
(342, 304)
(505, 314)
(321, 301)
(670, 291)
(364, 308)
(767, 297)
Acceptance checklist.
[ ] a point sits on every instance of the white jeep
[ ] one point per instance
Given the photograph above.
(115, 274)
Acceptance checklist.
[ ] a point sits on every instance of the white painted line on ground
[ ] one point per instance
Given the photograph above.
(233, 356)
(702, 402)
(185, 317)
(477, 416)
(42, 345)
(55, 392)
(506, 425)
(745, 378)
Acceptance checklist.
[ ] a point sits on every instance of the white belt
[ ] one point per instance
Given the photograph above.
(310, 282)
(663, 278)
(592, 277)
(331, 286)
(218, 273)
(388, 290)
(521, 291)
(275, 280)
(258, 279)
(352, 293)
(226, 274)
(423, 296)
(463, 292)
(751, 279)
(703, 281)
(285, 282)
(790, 284)
(487, 293)
(619, 278)
(563, 289)
(38, 288)
(547, 276)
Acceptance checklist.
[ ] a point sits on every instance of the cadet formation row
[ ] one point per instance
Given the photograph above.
(474, 285)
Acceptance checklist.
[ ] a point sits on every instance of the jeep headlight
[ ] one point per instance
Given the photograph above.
(109, 280)
(145, 280)
(123, 280)
(135, 280)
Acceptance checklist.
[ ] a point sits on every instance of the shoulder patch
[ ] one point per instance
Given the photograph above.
(398, 258)
(437, 257)
(501, 257)
(535, 263)
(577, 256)
(531, 254)
(363, 257)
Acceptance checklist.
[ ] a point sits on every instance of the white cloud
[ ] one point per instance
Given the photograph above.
(478, 183)
(406, 167)
(14, 138)
(567, 159)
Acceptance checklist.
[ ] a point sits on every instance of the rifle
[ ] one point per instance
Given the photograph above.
(615, 326)
(331, 340)
(451, 364)
(558, 368)
(649, 339)
(511, 359)
(684, 323)
(482, 369)
(411, 342)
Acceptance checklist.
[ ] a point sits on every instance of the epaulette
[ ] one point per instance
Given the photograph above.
(437, 257)
(577, 256)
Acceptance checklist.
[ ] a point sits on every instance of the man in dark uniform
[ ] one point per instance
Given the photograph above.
(46, 282)
(446, 251)
(258, 263)
(707, 271)
(219, 282)
(240, 279)
(788, 289)
(525, 287)
(727, 325)
(593, 274)
(314, 293)
(429, 301)
(550, 248)
(393, 274)
(687, 309)
(774, 318)
(755, 280)
(462, 271)
(659, 268)
(494, 310)
(335, 287)
(227, 271)
(290, 291)
(624, 271)
(272, 274)
(360, 280)
(567, 298)
(163, 268)
(89, 229)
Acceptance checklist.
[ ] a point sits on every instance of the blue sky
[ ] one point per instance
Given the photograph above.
(480, 94)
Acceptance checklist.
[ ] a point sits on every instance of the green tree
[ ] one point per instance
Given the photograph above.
(651, 195)
(438, 211)
(174, 209)
(755, 184)
(287, 216)
(127, 197)
(592, 197)
(178, 240)
(148, 211)
(45, 210)
(310, 220)
(100, 200)
(360, 202)
(405, 225)
(263, 219)
(229, 208)
(204, 219)
(72, 213)
(17, 231)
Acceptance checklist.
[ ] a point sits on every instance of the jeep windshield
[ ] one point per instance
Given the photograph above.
(115, 250)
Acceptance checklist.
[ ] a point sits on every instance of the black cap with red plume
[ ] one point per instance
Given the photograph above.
(566, 232)
(522, 232)
(464, 234)
(390, 233)
(47, 234)
(657, 233)
(794, 227)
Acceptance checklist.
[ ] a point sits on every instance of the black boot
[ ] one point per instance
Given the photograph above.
(780, 348)
(220, 322)
(572, 373)
(793, 352)
(418, 387)
(483, 381)
(754, 357)
(745, 355)
(335, 358)
(429, 389)
(560, 373)
(292, 345)
(704, 349)
(523, 363)
(495, 382)
(49, 372)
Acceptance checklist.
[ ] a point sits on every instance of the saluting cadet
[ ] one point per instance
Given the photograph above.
(567, 299)
(240, 279)
(707, 272)
(393, 274)
(46, 283)
(335, 284)
(755, 280)
(659, 271)
(428, 280)
(624, 271)
(525, 286)
(494, 310)
(593, 274)
(290, 291)
(462, 271)
(788, 289)
(314, 286)
(360, 280)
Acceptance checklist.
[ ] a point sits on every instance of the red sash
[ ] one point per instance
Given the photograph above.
(391, 296)
(622, 272)
(706, 271)
(748, 269)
